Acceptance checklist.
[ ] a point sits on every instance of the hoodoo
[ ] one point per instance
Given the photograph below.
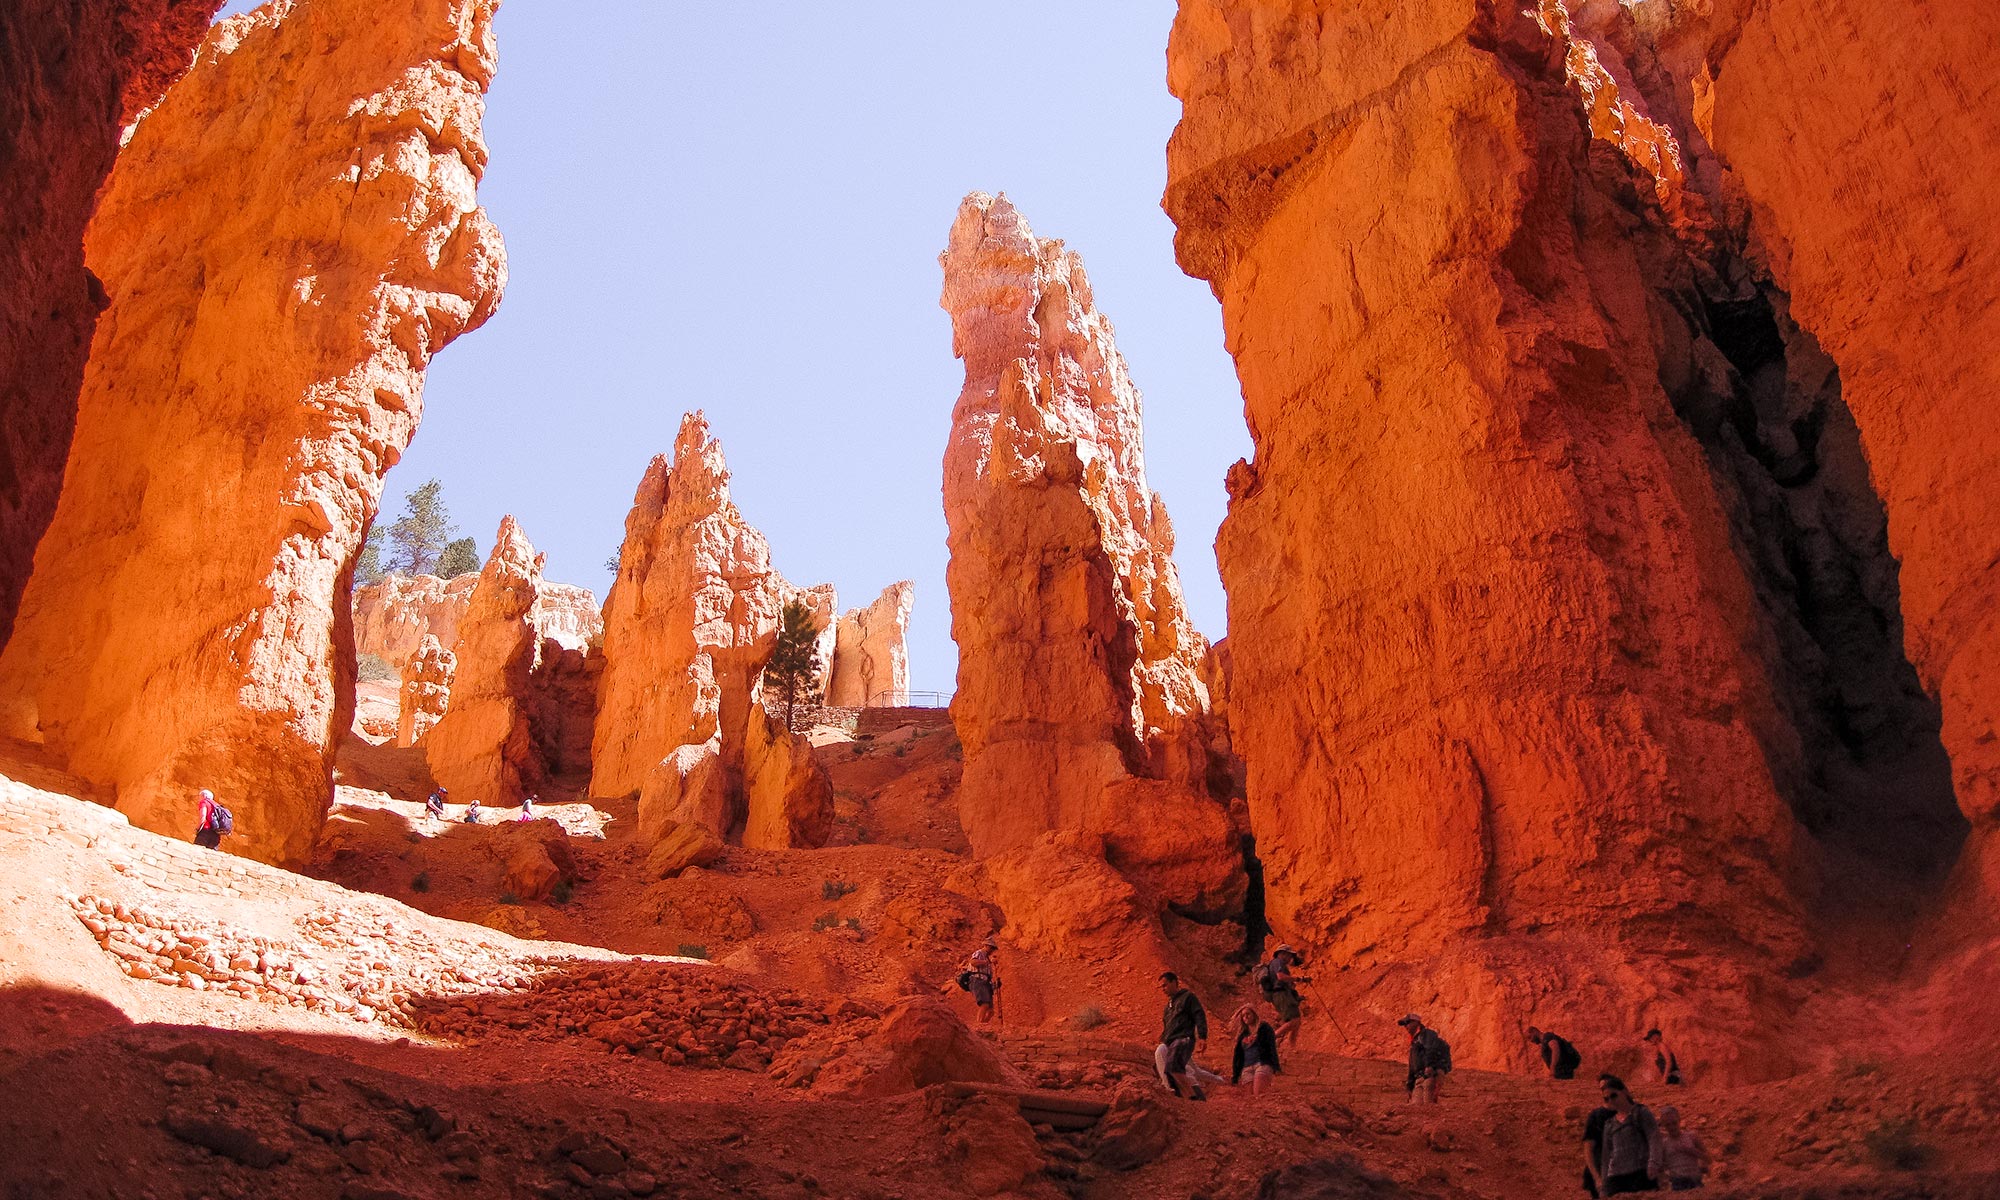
(286, 240)
(426, 691)
(689, 624)
(1079, 699)
(871, 655)
(1507, 695)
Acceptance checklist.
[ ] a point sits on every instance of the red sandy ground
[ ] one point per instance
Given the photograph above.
(130, 1088)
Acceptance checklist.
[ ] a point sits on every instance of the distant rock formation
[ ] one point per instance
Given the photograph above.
(73, 73)
(427, 677)
(1079, 700)
(286, 239)
(871, 653)
(688, 626)
(484, 748)
(392, 618)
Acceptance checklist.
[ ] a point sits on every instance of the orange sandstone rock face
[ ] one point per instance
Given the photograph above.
(871, 653)
(72, 73)
(484, 748)
(1493, 661)
(426, 690)
(392, 618)
(788, 797)
(286, 240)
(688, 626)
(1078, 678)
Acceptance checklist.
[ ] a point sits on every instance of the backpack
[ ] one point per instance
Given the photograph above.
(965, 981)
(1440, 1052)
(1568, 1057)
(222, 820)
(1267, 982)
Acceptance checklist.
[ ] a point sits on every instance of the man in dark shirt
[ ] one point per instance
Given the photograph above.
(1558, 1055)
(1430, 1061)
(1183, 1029)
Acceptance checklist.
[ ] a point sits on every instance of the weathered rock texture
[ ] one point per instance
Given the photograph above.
(72, 73)
(426, 690)
(484, 748)
(1079, 702)
(688, 626)
(392, 618)
(871, 654)
(1504, 686)
(286, 240)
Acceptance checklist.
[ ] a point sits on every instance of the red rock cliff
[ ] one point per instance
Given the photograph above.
(1079, 701)
(1496, 670)
(286, 240)
(871, 650)
(72, 74)
(392, 618)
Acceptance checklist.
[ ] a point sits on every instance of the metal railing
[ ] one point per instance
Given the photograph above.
(903, 698)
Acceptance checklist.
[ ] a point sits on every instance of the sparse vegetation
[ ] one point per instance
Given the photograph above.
(374, 669)
(419, 536)
(854, 923)
(794, 670)
(368, 566)
(1893, 1143)
(422, 883)
(458, 558)
(834, 889)
(1088, 1017)
(563, 890)
(692, 950)
(826, 921)
(1859, 1068)
(509, 898)
(901, 750)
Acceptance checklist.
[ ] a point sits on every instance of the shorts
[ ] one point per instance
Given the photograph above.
(1286, 1001)
(212, 838)
(982, 990)
(1630, 1181)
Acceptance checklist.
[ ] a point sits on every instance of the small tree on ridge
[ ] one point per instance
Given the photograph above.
(793, 672)
(458, 558)
(420, 534)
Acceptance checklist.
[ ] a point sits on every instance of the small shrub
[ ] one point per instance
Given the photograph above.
(1894, 1144)
(374, 669)
(692, 950)
(1859, 1068)
(1088, 1017)
(854, 923)
(901, 750)
(834, 889)
(509, 898)
(825, 921)
(422, 883)
(563, 890)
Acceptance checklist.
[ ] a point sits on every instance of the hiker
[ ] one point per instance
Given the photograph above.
(472, 812)
(1430, 1061)
(1256, 1050)
(1559, 1054)
(1593, 1138)
(434, 807)
(1683, 1158)
(527, 807)
(1630, 1155)
(1280, 987)
(211, 821)
(1666, 1064)
(1183, 1030)
(979, 979)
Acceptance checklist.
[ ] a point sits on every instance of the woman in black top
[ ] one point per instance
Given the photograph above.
(1256, 1050)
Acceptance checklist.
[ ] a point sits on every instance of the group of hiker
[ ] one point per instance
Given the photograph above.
(441, 795)
(213, 821)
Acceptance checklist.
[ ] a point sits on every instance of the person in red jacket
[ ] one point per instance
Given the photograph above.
(209, 826)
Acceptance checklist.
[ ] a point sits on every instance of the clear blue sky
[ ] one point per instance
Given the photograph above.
(739, 208)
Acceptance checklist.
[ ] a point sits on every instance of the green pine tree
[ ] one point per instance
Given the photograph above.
(458, 558)
(368, 567)
(793, 672)
(420, 534)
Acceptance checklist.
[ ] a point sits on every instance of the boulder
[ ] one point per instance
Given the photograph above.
(1078, 669)
(686, 844)
(919, 1042)
(690, 786)
(280, 272)
(788, 795)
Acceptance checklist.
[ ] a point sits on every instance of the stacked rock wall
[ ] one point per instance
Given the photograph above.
(72, 74)
(1079, 701)
(286, 240)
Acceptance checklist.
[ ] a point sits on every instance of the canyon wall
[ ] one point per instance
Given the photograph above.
(871, 653)
(1504, 687)
(425, 691)
(1079, 701)
(286, 240)
(73, 73)
(688, 626)
(392, 618)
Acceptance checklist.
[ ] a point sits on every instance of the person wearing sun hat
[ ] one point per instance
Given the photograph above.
(1430, 1061)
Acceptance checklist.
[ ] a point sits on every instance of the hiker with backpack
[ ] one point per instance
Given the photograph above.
(1256, 1053)
(1631, 1155)
(1559, 1054)
(979, 978)
(1276, 981)
(434, 807)
(1183, 1030)
(1666, 1064)
(472, 812)
(1430, 1061)
(527, 807)
(212, 821)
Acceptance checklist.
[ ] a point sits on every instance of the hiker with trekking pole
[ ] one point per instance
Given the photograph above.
(982, 979)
